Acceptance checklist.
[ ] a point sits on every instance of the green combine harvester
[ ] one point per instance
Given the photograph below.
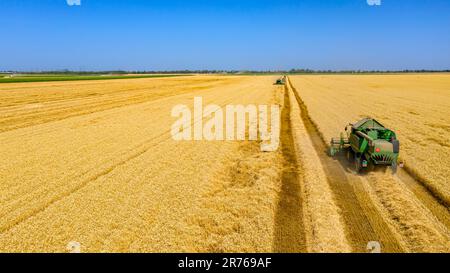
(281, 81)
(367, 144)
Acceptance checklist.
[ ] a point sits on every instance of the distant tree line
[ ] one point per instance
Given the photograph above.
(237, 72)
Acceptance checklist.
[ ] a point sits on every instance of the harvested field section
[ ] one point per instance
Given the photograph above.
(114, 180)
(363, 223)
(417, 218)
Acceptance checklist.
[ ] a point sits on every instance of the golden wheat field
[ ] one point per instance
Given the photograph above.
(94, 162)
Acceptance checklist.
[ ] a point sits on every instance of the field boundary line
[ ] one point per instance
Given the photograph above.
(31, 79)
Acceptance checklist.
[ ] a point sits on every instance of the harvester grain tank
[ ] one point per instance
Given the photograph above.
(368, 143)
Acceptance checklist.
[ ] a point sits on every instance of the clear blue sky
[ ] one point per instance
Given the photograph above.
(224, 34)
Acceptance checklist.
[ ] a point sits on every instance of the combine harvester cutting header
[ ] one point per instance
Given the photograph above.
(368, 143)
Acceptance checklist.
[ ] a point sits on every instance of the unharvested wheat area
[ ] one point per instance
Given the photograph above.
(94, 162)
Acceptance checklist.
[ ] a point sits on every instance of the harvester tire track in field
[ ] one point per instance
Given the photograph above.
(289, 228)
(363, 222)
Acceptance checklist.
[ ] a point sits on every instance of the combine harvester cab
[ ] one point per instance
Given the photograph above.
(368, 144)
